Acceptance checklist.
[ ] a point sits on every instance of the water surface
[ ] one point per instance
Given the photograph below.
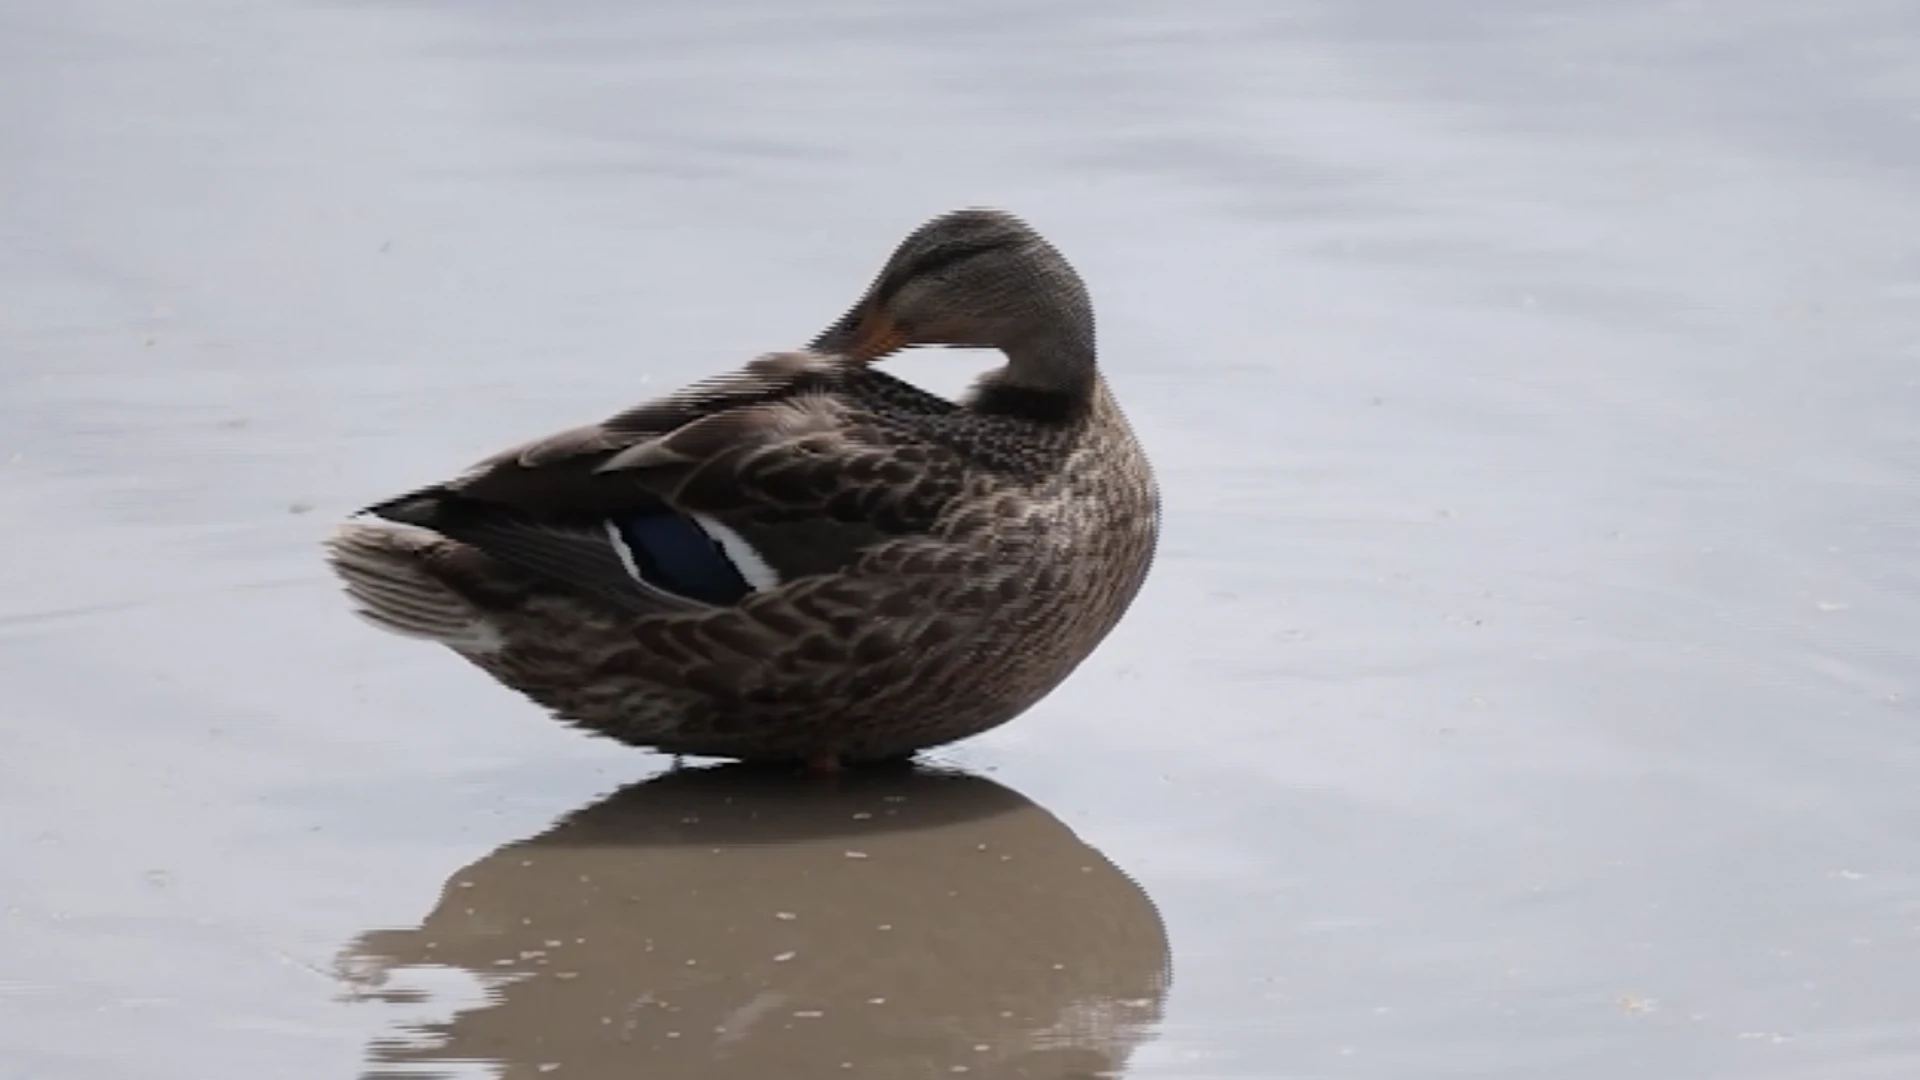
(1524, 688)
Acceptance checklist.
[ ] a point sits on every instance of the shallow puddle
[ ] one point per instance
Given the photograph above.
(1525, 686)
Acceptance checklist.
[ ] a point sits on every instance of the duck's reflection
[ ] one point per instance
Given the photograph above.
(732, 922)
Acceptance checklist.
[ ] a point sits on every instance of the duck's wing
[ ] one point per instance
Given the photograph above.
(558, 473)
(730, 487)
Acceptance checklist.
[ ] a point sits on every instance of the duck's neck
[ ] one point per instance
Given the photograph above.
(1047, 379)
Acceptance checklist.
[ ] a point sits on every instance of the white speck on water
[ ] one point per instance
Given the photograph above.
(784, 957)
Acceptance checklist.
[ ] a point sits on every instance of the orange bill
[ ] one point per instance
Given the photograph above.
(875, 337)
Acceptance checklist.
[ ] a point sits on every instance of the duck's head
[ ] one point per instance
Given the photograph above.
(982, 279)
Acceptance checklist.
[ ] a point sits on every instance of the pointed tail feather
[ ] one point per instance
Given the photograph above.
(387, 572)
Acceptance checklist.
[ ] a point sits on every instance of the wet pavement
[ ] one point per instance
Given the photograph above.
(1525, 687)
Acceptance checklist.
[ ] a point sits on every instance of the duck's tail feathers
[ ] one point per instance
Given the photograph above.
(389, 572)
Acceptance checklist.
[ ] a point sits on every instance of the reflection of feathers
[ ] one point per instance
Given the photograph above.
(972, 919)
(804, 557)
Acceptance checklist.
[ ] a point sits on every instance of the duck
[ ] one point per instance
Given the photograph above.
(807, 559)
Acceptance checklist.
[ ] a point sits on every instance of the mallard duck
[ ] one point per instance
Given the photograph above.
(807, 559)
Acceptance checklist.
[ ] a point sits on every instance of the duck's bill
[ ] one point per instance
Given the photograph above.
(877, 337)
(864, 335)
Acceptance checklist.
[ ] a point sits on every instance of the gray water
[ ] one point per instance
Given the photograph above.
(1525, 688)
